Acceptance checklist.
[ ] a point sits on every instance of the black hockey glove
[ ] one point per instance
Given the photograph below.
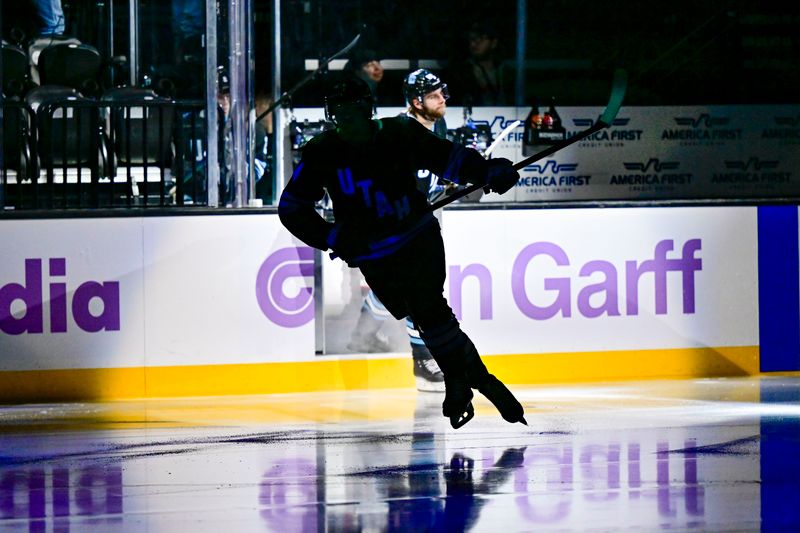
(346, 242)
(501, 176)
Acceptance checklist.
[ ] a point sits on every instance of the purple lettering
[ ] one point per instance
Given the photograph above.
(108, 293)
(687, 265)
(560, 285)
(61, 490)
(545, 459)
(30, 294)
(600, 469)
(608, 286)
(32, 297)
(58, 297)
(457, 275)
(58, 307)
(690, 265)
(15, 484)
(99, 491)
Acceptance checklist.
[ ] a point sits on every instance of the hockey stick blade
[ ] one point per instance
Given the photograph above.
(618, 87)
(503, 135)
(344, 50)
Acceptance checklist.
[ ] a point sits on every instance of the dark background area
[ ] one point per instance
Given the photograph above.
(676, 53)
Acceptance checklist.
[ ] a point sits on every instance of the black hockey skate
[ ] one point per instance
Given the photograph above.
(457, 405)
(494, 389)
(502, 398)
(427, 374)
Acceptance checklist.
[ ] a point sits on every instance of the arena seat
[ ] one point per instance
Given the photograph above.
(69, 142)
(15, 76)
(140, 134)
(17, 149)
(72, 65)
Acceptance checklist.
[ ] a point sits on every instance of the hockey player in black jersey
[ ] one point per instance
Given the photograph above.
(383, 227)
(426, 95)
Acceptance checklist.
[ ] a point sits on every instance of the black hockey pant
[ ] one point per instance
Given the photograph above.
(410, 283)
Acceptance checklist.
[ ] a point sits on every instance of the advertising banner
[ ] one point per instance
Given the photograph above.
(532, 281)
(649, 152)
(132, 292)
(71, 294)
(580, 280)
(228, 290)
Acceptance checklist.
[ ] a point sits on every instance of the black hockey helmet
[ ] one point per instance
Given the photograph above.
(421, 82)
(347, 90)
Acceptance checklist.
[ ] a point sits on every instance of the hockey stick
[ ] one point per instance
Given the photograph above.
(618, 87)
(322, 65)
(503, 135)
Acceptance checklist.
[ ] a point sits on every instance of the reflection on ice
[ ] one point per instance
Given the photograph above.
(578, 465)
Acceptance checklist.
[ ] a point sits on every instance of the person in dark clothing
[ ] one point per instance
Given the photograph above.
(383, 226)
(426, 96)
(366, 64)
(479, 79)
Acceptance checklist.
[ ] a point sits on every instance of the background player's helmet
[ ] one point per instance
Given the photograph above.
(421, 82)
(349, 90)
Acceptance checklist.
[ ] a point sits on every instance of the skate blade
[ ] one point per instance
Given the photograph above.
(461, 419)
(423, 385)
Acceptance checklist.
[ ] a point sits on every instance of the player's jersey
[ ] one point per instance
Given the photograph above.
(427, 181)
(373, 187)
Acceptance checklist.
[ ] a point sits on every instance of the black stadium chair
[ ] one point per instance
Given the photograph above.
(69, 141)
(141, 134)
(62, 137)
(17, 142)
(71, 65)
(140, 129)
(15, 75)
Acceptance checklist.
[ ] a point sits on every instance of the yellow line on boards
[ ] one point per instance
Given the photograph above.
(351, 374)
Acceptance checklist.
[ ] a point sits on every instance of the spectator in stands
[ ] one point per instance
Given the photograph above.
(50, 17)
(366, 64)
(479, 79)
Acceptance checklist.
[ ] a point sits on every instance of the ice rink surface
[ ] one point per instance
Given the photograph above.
(700, 455)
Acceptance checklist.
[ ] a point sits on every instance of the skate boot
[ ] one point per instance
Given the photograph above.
(446, 349)
(376, 343)
(457, 405)
(492, 388)
(502, 398)
(427, 374)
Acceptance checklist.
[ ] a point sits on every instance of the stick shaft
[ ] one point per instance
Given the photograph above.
(618, 88)
(309, 77)
(522, 164)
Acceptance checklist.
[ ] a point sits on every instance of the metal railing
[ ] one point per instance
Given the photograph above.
(78, 153)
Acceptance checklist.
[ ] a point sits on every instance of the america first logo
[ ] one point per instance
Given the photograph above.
(615, 135)
(784, 130)
(551, 173)
(653, 172)
(701, 129)
(752, 171)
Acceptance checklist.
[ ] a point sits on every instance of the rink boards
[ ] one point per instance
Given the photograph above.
(204, 305)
